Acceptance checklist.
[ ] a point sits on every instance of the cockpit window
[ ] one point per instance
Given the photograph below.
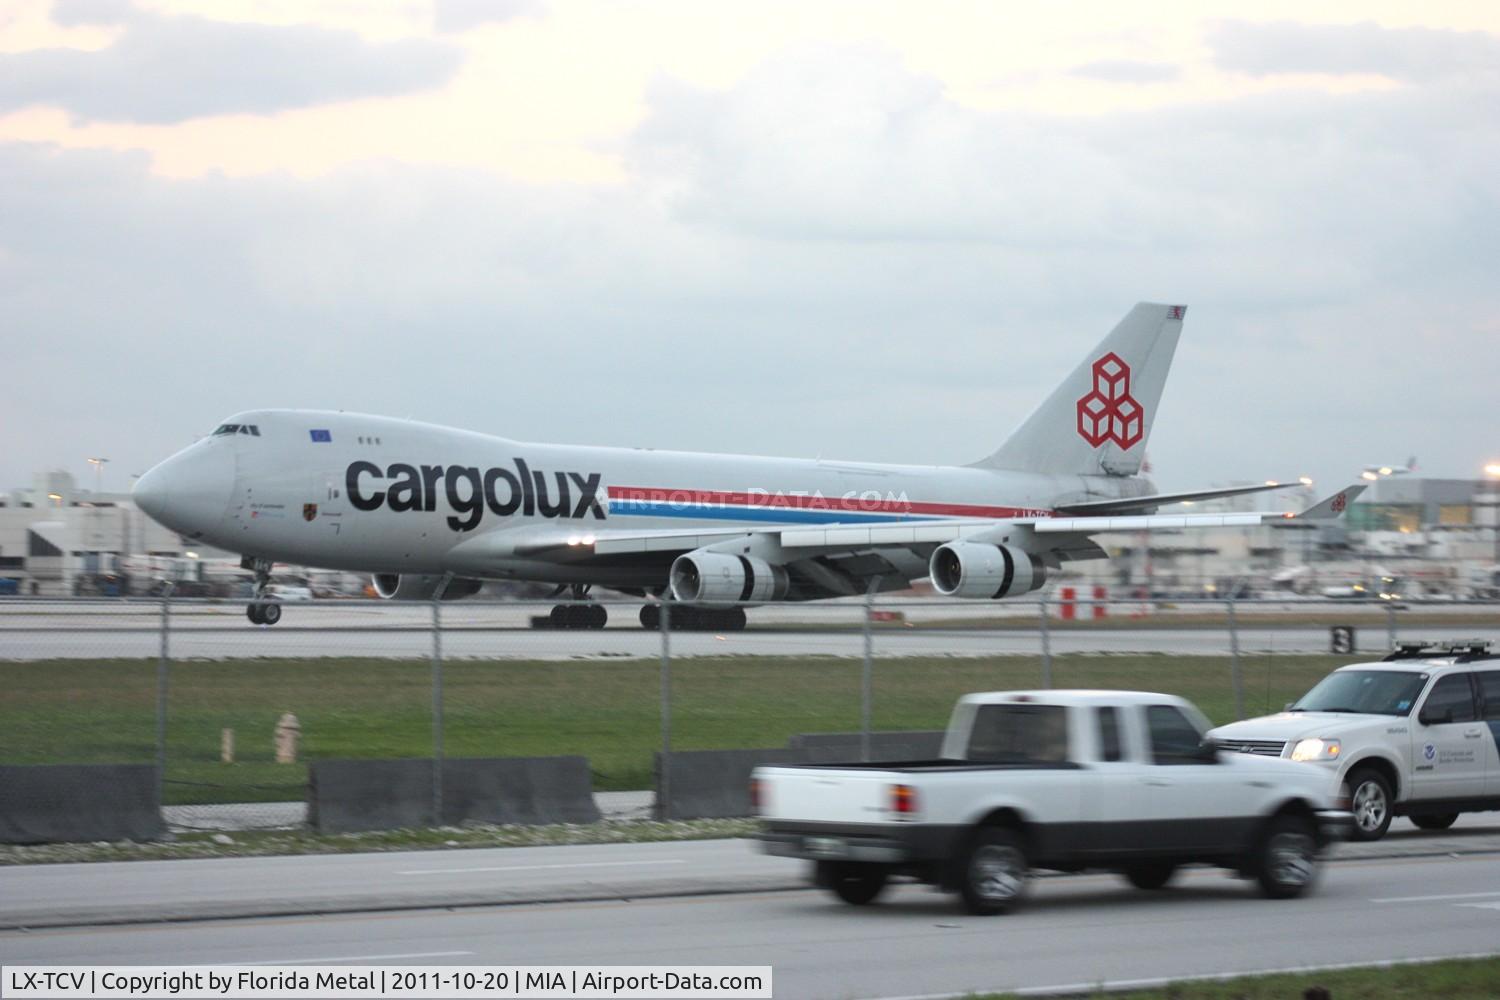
(250, 429)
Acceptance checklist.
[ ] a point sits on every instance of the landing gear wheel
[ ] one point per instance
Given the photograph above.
(270, 613)
(252, 611)
(733, 620)
(856, 883)
(598, 617)
(651, 617)
(993, 878)
(1370, 798)
(1437, 821)
(1287, 861)
(1150, 875)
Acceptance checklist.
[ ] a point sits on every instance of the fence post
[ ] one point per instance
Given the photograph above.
(1390, 625)
(437, 699)
(1234, 663)
(161, 693)
(1046, 644)
(664, 779)
(867, 681)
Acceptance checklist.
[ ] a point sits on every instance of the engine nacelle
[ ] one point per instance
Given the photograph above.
(401, 587)
(718, 579)
(984, 571)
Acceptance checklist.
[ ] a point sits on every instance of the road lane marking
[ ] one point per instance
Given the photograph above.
(1436, 899)
(1481, 906)
(531, 868)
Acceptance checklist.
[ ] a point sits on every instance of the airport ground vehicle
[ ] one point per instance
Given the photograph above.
(1066, 780)
(1416, 734)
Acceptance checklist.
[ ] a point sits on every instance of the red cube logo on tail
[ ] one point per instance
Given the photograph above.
(1109, 412)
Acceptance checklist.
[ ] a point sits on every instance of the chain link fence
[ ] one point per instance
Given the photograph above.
(232, 712)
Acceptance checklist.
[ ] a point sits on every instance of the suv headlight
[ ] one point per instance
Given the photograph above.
(1316, 750)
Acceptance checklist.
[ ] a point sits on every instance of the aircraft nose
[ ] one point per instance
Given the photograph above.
(190, 491)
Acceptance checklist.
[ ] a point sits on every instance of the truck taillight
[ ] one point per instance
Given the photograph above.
(756, 793)
(903, 800)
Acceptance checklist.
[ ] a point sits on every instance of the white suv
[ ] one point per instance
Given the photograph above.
(1416, 734)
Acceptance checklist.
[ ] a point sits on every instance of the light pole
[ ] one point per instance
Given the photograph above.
(1492, 475)
(98, 464)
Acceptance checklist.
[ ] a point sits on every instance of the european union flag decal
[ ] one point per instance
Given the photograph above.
(323, 436)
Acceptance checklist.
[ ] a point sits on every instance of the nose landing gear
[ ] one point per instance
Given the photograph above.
(260, 610)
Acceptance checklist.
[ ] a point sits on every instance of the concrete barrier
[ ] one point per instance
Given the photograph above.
(526, 790)
(712, 784)
(824, 748)
(58, 803)
(348, 796)
(351, 796)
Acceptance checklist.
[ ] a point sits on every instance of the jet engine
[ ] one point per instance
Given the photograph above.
(709, 579)
(980, 570)
(398, 587)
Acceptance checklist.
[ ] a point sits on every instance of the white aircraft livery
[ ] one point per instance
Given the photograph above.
(432, 512)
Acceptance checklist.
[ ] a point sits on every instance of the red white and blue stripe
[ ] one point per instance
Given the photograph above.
(791, 508)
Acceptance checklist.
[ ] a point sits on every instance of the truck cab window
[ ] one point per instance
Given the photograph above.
(1174, 738)
(1019, 734)
(1109, 733)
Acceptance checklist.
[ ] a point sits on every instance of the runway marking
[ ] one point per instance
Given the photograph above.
(1436, 899)
(528, 868)
(1482, 906)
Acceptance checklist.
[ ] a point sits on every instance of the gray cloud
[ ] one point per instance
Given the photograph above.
(72, 13)
(1419, 55)
(1127, 71)
(463, 15)
(172, 69)
(830, 257)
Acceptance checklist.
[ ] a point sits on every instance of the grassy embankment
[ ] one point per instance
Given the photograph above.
(66, 711)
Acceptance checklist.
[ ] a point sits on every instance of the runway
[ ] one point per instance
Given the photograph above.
(97, 630)
(1074, 930)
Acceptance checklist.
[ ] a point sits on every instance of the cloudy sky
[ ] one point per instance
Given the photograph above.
(859, 230)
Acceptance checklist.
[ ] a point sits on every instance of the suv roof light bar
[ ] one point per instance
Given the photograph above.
(1464, 650)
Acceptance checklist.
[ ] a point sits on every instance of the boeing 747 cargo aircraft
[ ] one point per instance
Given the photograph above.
(433, 512)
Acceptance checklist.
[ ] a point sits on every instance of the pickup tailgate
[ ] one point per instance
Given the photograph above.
(826, 794)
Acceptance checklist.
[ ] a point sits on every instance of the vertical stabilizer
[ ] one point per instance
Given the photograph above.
(1097, 421)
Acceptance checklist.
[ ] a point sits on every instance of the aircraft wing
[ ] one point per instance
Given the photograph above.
(1133, 504)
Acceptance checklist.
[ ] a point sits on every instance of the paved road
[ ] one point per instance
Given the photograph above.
(1075, 930)
(93, 630)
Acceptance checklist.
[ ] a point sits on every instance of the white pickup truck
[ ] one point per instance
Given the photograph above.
(1064, 780)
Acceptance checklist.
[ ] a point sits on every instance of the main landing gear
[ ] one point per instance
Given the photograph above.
(686, 618)
(587, 615)
(261, 611)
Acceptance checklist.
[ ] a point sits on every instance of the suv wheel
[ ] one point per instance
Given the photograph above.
(1150, 874)
(994, 873)
(1287, 861)
(1370, 799)
(1435, 821)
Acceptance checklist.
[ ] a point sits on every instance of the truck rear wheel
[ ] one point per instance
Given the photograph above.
(994, 874)
(854, 882)
(1287, 860)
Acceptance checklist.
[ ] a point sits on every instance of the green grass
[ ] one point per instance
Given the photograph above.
(72, 711)
(1451, 979)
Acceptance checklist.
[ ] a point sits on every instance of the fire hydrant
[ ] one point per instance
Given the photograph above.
(288, 732)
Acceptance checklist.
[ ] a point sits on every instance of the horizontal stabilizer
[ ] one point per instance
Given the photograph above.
(1331, 507)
